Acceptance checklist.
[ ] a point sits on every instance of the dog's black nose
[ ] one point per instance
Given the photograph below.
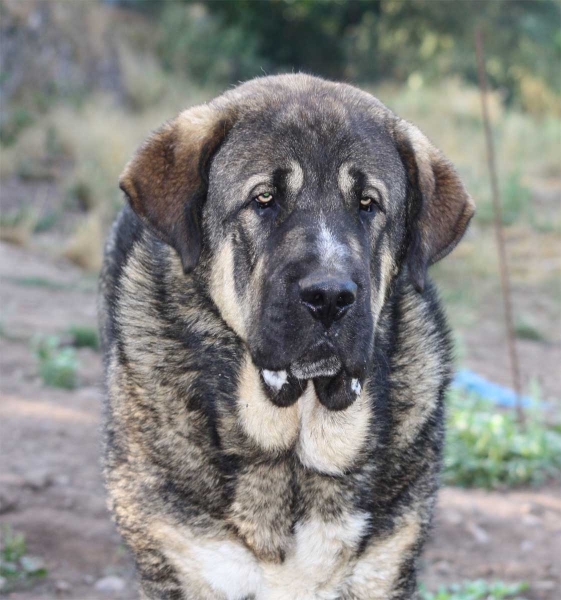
(327, 298)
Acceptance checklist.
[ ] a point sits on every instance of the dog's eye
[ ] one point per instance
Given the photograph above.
(264, 200)
(371, 201)
(367, 203)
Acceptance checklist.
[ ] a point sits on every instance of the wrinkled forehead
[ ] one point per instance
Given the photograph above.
(317, 146)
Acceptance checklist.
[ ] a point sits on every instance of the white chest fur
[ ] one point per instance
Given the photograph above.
(318, 561)
(316, 564)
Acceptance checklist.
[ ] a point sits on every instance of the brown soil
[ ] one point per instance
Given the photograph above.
(51, 489)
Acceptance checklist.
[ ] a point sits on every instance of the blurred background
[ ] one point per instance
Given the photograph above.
(82, 84)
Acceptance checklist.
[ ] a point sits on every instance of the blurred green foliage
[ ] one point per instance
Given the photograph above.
(58, 365)
(84, 336)
(366, 41)
(477, 590)
(488, 448)
(17, 569)
(204, 47)
(526, 330)
(9, 130)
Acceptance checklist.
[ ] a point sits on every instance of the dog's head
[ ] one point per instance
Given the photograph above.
(298, 201)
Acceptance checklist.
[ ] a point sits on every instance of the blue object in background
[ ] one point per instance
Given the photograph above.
(471, 382)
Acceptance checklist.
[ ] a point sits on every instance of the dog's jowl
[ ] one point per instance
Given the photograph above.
(276, 356)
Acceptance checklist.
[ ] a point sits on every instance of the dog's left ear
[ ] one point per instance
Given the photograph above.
(165, 182)
(440, 208)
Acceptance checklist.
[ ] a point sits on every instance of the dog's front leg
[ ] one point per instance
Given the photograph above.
(387, 568)
(158, 578)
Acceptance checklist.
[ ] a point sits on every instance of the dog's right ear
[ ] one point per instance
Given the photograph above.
(165, 182)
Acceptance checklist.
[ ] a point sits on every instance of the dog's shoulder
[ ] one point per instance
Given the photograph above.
(125, 233)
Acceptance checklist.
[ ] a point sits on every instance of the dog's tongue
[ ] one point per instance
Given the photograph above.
(337, 392)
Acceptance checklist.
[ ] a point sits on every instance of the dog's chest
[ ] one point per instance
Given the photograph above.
(297, 528)
(317, 562)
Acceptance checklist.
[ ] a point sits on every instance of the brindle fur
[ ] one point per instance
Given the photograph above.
(222, 488)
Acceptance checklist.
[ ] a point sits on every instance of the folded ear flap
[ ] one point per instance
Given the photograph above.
(165, 182)
(440, 207)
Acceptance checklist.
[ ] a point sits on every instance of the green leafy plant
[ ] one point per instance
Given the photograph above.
(486, 446)
(525, 330)
(84, 336)
(204, 47)
(477, 590)
(57, 365)
(17, 569)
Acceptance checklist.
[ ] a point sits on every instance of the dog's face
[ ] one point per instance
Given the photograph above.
(305, 211)
(306, 199)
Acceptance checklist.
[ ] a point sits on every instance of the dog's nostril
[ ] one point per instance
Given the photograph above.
(345, 299)
(317, 300)
(327, 298)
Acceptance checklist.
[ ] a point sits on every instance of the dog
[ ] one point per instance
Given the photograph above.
(276, 356)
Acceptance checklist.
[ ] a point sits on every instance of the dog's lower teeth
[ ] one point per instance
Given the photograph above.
(274, 379)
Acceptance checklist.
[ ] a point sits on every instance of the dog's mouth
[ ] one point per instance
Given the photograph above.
(324, 367)
(319, 360)
(302, 370)
(336, 389)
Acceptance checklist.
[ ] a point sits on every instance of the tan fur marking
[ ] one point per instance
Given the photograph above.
(223, 290)
(378, 296)
(330, 441)
(374, 183)
(344, 179)
(255, 180)
(375, 574)
(221, 568)
(421, 374)
(295, 179)
(273, 428)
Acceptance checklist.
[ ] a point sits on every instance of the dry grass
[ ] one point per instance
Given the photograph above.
(17, 225)
(94, 142)
(102, 137)
(527, 147)
(85, 246)
(29, 149)
(144, 80)
(18, 228)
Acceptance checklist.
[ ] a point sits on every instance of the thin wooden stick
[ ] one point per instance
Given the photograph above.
(498, 220)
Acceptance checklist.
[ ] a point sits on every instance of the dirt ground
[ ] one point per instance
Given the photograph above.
(51, 489)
